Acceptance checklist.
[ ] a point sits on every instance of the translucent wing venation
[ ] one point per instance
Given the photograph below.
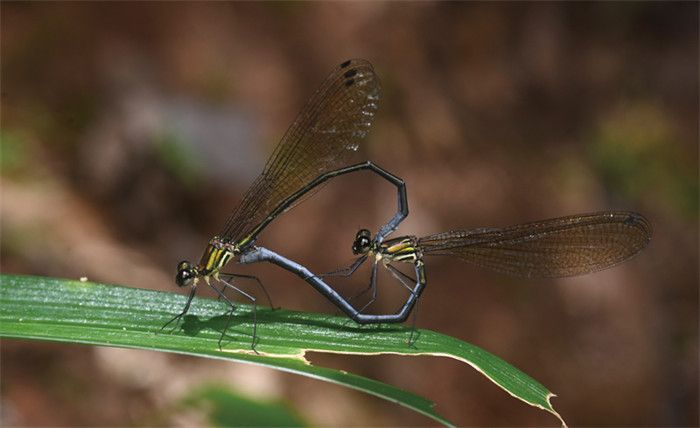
(564, 246)
(324, 137)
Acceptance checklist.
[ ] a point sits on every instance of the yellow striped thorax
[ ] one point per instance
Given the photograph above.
(215, 256)
(401, 249)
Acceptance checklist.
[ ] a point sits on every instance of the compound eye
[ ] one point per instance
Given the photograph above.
(185, 274)
(363, 233)
(362, 242)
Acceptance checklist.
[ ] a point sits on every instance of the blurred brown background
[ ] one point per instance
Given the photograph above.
(130, 130)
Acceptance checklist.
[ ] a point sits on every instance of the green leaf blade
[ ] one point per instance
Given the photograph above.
(96, 314)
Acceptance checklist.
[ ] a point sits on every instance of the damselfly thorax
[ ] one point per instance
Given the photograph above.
(401, 249)
(216, 255)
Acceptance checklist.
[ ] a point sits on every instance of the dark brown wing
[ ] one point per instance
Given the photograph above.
(564, 246)
(323, 138)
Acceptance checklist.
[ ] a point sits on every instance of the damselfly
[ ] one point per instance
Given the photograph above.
(559, 247)
(327, 131)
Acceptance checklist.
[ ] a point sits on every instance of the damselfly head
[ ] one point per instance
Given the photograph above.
(185, 274)
(363, 242)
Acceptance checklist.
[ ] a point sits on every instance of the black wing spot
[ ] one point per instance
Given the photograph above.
(350, 82)
(640, 222)
(350, 73)
(345, 64)
(631, 220)
(634, 219)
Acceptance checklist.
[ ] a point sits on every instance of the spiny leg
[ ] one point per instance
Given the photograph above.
(414, 333)
(348, 270)
(250, 277)
(372, 286)
(402, 277)
(184, 310)
(230, 316)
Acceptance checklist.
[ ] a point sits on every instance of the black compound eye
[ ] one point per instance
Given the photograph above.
(362, 242)
(185, 274)
(363, 233)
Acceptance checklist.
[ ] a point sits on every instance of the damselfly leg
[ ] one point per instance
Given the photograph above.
(254, 278)
(254, 304)
(183, 312)
(347, 271)
(407, 281)
(403, 278)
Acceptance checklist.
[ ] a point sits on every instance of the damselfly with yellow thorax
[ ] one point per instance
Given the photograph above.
(317, 147)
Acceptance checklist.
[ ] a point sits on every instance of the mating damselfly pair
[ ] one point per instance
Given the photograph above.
(319, 146)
